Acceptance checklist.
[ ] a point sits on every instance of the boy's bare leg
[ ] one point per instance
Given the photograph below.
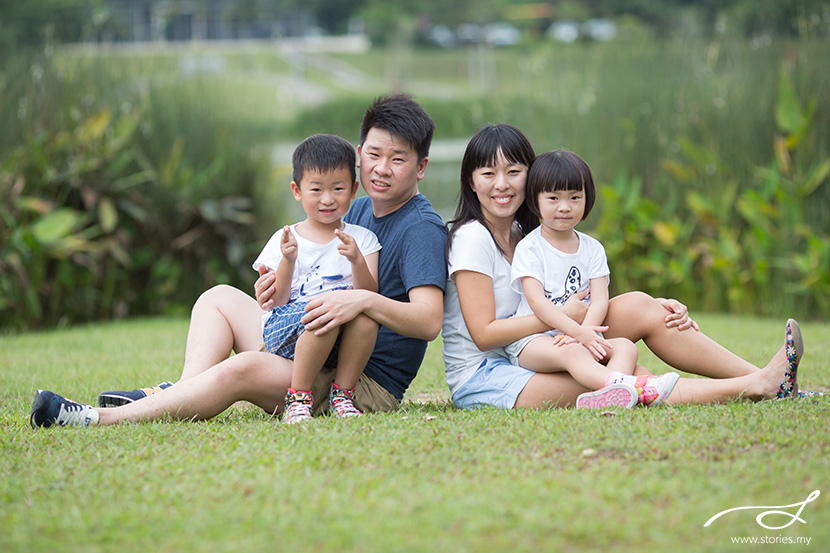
(357, 342)
(223, 319)
(260, 378)
(638, 316)
(310, 354)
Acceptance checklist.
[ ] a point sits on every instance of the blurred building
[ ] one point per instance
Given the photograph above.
(185, 20)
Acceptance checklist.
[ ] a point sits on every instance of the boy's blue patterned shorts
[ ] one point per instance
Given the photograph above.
(283, 328)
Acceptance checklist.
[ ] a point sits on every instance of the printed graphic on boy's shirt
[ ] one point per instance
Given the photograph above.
(315, 283)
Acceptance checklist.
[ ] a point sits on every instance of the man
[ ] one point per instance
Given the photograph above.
(395, 137)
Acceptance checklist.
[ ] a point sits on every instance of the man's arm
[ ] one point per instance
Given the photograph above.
(420, 317)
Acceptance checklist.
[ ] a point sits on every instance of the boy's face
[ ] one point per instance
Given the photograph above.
(389, 170)
(325, 196)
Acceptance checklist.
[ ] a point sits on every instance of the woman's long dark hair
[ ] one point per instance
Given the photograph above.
(483, 151)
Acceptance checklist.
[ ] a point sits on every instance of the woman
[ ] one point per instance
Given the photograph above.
(490, 219)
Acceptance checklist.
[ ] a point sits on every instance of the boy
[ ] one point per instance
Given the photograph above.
(395, 137)
(318, 255)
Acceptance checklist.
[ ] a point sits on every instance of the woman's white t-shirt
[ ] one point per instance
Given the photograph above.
(472, 249)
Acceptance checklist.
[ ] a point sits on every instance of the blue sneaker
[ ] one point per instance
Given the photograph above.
(50, 409)
(119, 398)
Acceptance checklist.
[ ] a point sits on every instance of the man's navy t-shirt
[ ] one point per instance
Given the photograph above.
(413, 240)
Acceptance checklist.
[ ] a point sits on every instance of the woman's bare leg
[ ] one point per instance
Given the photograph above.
(260, 378)
(223, 319)
(545, 390)
(638, 316)
(561, 390)
(762, 384)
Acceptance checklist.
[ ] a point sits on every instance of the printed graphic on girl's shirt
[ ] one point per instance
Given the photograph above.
(573, 282)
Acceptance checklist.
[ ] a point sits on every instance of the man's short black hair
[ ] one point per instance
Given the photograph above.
(403, 118)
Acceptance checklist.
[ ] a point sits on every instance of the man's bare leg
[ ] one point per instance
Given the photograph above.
(223, 320)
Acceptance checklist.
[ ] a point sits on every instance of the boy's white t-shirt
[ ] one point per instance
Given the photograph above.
(320, 267)
(561, 274)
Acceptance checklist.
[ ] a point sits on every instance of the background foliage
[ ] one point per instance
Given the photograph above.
(131, 179)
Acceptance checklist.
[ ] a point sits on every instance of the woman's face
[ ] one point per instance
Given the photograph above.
(500, 189)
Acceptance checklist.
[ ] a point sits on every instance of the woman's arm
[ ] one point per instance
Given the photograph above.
(478, 307)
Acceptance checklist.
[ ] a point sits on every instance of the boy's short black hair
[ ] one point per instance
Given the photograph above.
(402, 117)
(324, 153)
(559, 170)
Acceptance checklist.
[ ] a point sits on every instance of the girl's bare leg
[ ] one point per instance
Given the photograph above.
(260, 378)
(223, 319)
(543, 355)
(637, 316)
(623, 358)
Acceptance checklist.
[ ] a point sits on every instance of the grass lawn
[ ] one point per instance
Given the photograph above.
(428, 478)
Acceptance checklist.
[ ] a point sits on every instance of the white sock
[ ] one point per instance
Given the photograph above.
(620, 378)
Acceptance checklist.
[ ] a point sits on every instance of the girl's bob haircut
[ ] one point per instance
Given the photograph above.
(556, 171)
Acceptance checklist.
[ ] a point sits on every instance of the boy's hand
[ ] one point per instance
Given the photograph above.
(264, 287)
(288, 245)
(348, 246)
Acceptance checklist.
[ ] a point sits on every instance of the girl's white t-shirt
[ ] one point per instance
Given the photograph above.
(561, 274)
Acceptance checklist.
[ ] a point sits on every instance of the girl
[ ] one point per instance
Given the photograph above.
(555, 261)
(490, 219)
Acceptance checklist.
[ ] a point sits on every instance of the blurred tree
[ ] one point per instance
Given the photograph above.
(33, 22)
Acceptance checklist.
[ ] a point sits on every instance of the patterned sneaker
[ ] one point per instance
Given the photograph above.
(119, 398)
(809, 394)
(341, 402)
(50, 409)
(613, 395)
(654, 390)
(297, 406)
(795, 350)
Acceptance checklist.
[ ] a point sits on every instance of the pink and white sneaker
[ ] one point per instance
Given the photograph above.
(613, 395)
(655, 390)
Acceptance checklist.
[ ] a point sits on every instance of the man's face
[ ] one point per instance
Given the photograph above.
(389, 170)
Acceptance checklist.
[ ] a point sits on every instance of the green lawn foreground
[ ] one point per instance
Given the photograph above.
(428, 478)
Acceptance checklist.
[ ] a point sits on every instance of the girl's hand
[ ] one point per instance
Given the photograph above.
(288, 245)
(348, 246)
(678, 315)
(589, 337)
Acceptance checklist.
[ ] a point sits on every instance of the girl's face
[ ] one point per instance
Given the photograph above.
(500, 189)
(561, 210)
